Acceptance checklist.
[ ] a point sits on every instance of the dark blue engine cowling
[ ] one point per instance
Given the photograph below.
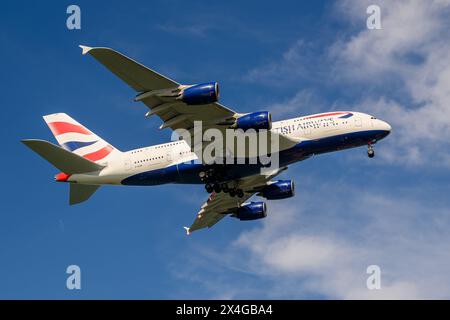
(281, 189)
(251, 211)
(203, 93)
(255, 120)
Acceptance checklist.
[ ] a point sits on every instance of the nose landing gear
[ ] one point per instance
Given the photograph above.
(370, 151)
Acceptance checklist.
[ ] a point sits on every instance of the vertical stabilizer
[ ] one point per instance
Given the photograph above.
(76, 138)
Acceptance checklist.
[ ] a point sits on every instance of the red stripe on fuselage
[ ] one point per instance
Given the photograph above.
(100, 154)
(326, 115)
(65, 127)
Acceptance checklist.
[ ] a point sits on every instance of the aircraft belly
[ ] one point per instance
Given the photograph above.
(188, 173)
(153, 177)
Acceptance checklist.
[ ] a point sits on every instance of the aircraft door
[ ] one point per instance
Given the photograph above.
(307, 131)
(127, 163)
(171, 153)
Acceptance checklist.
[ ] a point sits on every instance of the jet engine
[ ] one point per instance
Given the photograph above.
(198, 94)
(280, 189)
(255, 120)
(251, 211)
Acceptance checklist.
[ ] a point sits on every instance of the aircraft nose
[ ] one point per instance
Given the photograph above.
(385, 126)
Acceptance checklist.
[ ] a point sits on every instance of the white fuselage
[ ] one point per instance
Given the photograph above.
(153, 158)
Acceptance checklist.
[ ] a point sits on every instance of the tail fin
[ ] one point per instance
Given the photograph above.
(76, 138)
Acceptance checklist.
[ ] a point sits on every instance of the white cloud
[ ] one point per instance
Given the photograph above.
(308, 247)
(408, 27)
(401, 72)
(295, 64)
(294, 253)
(304, 102)
(323, 249)
(413, 47)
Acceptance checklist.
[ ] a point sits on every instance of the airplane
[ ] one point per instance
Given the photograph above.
(87, 162)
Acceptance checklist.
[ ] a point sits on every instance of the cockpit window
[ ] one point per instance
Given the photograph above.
(372, 117)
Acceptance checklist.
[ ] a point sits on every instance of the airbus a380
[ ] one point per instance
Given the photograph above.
(87, 162)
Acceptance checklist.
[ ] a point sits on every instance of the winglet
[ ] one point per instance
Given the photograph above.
(188, 231)
(85, 49)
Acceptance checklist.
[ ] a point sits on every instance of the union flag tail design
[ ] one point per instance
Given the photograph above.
(76, 138)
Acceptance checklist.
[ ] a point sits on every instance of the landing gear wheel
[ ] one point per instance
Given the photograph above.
(209, 187)
(240, 193)
(232, 193)
(225, 188)
(217, 188)
(370, 152)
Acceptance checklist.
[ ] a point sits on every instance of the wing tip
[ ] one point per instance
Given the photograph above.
(29, 142)
(84, 49)
(188, 231)
(25, 141)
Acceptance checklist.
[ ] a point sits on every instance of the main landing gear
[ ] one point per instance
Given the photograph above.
(223, 187)
(370, 151)
(213, 184)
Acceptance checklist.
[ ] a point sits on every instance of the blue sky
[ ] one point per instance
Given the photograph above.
(292, 58)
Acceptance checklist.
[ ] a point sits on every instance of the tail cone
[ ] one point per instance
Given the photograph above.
(62, 177)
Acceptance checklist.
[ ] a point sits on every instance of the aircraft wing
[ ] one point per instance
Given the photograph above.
(155, 90)
(220, 204)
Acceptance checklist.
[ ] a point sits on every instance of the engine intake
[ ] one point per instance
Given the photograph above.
(203, 93)
(255, 120)
(280, 189)
(251, 211)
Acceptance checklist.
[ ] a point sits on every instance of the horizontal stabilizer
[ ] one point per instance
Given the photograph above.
(62, 159)
(81, 192)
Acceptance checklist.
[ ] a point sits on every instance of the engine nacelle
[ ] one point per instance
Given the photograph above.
(198, 94)
(280, 189)
(255, 120)
(251, 211)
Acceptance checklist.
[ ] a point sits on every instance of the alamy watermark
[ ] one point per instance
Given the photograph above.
(73, 281)
(73, 21)
(373, 282)
(232, 146)
(373, 21)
